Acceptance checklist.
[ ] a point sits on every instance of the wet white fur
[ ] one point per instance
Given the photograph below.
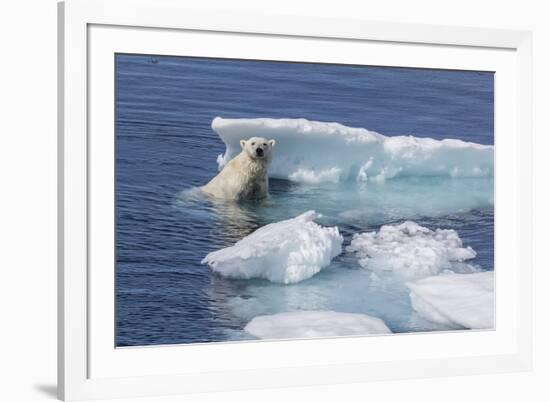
(245, 176)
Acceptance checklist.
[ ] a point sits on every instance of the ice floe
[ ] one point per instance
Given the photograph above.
(465, 300)
(286, 252)
(315, 152)
(411, 251)
(312, 324)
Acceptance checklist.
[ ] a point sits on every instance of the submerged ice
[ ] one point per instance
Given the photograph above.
(456, 300)
(411, 251)
(286, 252)
(312, 324)
(316, 152)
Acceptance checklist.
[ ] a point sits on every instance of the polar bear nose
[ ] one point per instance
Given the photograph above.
(259, 151)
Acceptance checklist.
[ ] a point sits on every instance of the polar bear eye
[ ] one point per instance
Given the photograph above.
(265, 145)
(253, 143)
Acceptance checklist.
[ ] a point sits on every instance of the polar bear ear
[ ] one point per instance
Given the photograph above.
(243, 143)
(272, 143)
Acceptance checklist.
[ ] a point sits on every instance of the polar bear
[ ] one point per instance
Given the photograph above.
(245, 176)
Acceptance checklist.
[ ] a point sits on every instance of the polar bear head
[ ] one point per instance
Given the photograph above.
(258, 148)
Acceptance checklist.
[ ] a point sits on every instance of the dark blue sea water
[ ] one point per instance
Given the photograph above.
(164, 145)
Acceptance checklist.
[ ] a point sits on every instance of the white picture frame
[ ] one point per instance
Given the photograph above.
(91, 367)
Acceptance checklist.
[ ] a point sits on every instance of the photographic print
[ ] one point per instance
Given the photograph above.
(263, 200)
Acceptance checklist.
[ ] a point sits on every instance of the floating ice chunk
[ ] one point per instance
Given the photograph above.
(315, 152)
(313, 324)
(466, 300)
(331, 175)
(411, 251)
(285, 252)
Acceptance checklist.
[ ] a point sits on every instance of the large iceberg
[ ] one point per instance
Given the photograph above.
(315, 152)
(411, 251)
(464, 300)
(313, 324)
(286, 252)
